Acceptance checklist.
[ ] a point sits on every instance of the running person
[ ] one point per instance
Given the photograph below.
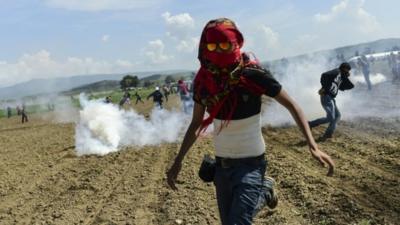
(229, 87)
(332, 81)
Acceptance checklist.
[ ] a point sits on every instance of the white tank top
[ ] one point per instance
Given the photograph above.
(240, 139)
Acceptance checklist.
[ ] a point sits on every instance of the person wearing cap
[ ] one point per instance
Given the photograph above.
(332, 81)
(229, 86)
(157, 97)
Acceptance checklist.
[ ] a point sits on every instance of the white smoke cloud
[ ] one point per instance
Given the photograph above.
(301, 81)
(42, 65)
(375, 78)
(53, 108)
(103, 128)
(104, 5)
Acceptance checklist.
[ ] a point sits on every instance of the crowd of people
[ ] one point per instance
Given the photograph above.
(20, 110)
(158, 96)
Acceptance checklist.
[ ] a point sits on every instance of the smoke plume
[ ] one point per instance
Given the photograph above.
(104, 128)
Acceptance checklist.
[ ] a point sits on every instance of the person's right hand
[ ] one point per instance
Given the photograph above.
(172, 175)
(323, 159)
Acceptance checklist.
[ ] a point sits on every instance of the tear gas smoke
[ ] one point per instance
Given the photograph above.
(374, 78)
(60, 107)
(301, 81)
(103, 128)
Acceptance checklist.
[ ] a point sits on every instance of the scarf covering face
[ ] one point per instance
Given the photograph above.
(220, 72)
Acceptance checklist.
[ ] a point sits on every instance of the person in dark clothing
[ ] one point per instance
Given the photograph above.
(9, 114)
(365, 68)
(23, 113)
(332, 81)
(127, 94)
(126, 99)
(138, 98)
(157, 97)
(108, 100)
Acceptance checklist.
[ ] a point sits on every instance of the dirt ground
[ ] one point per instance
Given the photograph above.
(42, 181)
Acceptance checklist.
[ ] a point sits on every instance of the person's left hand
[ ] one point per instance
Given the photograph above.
(323, 159)
(172, 175)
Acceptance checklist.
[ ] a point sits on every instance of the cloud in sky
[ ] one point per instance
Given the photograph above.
(105, 38)
(155, 52)
(350, 12)
(179, 23)
(264, 41)
(271, 38)
(180, 29)
(189, 45)
(169, 33)
(102, 5)
(42, 65)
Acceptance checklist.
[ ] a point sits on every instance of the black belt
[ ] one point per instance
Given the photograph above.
(232, 162)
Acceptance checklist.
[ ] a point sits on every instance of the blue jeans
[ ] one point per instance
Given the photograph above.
(332, 115)
(240, 192)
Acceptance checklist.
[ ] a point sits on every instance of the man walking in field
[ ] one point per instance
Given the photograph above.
(138, 98)
(9, 114)
(332, 81)
(365, 68)
(23, 114)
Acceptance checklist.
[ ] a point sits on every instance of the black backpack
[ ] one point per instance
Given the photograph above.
(157, 96)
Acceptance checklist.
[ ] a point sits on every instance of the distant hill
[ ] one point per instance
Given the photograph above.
(151, 78)
(43, 86)
(57, 85)
(104, 85)
(342, 53)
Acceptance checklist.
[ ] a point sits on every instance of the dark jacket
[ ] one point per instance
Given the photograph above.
(332, 81)
(157, 96)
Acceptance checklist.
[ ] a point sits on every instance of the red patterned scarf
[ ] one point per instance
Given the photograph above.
(221, 72)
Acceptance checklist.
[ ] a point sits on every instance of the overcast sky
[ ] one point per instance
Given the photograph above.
(53, 38)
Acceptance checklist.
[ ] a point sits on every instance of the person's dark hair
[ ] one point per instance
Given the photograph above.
(345, 65)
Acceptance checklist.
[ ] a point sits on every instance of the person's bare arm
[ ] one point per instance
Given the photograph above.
(188, 140)
(284, 99)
